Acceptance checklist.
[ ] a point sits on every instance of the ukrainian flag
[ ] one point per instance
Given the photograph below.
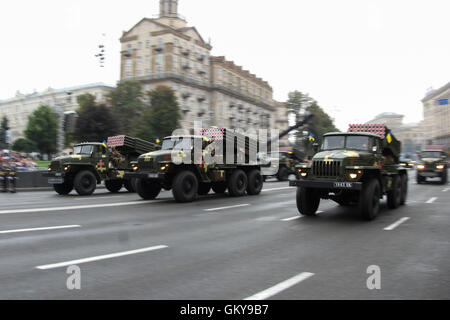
(311, 137)
(104, 144)
(389, 137)
(158, 140)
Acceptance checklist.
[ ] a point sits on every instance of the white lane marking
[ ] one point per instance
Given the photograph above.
(39, 229)
(230, 207)
(92, 206)
(396, 224)
(97, 198)
(280, 287)
(292, 218)
(103, 257)
(432, 200)
(446, 189)
(275, 189)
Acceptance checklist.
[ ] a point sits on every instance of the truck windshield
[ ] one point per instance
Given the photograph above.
(177, 143)
(346, 142)
(83, 150)
(430, 154)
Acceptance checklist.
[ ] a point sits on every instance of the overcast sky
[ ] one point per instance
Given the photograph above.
(357, 58)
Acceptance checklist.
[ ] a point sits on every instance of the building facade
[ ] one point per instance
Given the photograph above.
(436, 114)
(166, 51)
(22, 105)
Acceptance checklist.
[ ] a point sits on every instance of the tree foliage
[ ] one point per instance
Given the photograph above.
(321, 123)
(85, 101)
(163, 116)
(24, 145)
(42, 128)
(127, 105)
(4, 127)
(95, 123)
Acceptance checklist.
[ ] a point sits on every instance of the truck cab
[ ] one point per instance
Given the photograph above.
(432, 164)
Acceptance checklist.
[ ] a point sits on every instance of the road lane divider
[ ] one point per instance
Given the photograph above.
(263, 295)
(97, 258)
(396, 224)
(276, 189)
(446, 189)
(39, 229)
(432, 200)
(292, 218)
(225, 208)
(81, 207)
(97, 198)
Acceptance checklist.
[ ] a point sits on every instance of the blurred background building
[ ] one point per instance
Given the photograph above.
(164, 50)
(18, 109)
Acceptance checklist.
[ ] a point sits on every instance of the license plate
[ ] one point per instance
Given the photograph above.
(343, 185)
(429, 174)
(55, 180)
(152, 175)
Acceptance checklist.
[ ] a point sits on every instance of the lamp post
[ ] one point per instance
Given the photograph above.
(59, 110)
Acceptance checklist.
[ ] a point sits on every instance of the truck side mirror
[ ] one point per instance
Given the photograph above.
(316, 147)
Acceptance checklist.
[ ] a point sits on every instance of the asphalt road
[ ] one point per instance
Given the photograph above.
(222, 248)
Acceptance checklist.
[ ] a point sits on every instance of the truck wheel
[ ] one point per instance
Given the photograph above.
(185, 187)
(85, 183)
(255, 183)
(444, 177)
(113, 186)
(204, 189)
(237, 184)
(283, 174)
(219, 187)
(369, 201)
(404, 182)
(420, 179)
(307, 201)
(146, 189)
(130, 185)
(395, 194)
(63, 189)
(342, 202)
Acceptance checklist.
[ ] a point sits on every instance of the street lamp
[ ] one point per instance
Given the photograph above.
(59, 110)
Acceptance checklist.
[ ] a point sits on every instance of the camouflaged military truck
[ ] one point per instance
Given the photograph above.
(356, 167)
(91, 163)
(282, 164)
(433, 164)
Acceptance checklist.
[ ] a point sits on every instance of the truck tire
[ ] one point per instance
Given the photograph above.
(369, 200)
(404, 196)
(342, 202)
(85, 183)
(395, 194)
(255, 183)
(114, 186)
(204, 189)
(307, 201)
(283, 174)
(237, 183)
(444, 177)
(63, 189)
(185, 187)
(147, 189)
(219, 187)
(420, 179)
(130, 185)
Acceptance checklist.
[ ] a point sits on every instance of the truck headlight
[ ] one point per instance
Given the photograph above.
(355, 174)
(49, 168)
(440, 167)
(66, 168)
(135, 168)
(420, 166)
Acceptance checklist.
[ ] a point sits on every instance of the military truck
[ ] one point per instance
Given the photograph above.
(282, 164)
(356, 167)
(92, 162)
(432, 163)
(189, 173)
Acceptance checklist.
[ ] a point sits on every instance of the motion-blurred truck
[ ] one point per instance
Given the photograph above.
(188, 165)
(92, 162)
(356, 167)
(433, 163)
(282, 164)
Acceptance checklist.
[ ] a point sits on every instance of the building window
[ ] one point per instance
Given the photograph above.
(160, 59)
(147, 60)
(147, 72)
(140, 45)
(129, 63)
(147, 44)
(160, 42)
(139, 60)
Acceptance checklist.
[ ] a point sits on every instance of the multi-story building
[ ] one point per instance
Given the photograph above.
(436, 114)
(22, 105)
(165, 51)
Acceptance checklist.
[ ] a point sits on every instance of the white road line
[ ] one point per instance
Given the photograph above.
(293, 218)
(97, 198)
(280, 287)
(230, 207)
(446, 189)
(39, 229)
(97, 258)
(275, 189)
(432, 200)
(396, 224)
(92, 206)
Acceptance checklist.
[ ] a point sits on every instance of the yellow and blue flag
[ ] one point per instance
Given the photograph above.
(389, 137)
(158, 140)
(311, 137)
(104, 144)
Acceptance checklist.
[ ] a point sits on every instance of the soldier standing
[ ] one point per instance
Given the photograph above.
(3, 177)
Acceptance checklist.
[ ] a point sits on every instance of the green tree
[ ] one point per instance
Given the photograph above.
(95, 124)
(127, 105)
(41, 129)
(24, 145)
(297, 103)
(163, 116)
(85, 101)
(4, 127)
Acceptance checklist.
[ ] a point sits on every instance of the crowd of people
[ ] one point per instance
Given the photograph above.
(17, 161)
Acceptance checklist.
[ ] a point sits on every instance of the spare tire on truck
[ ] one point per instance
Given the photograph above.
(85, 183)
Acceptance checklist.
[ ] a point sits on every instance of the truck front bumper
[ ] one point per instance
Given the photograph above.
(430, 174)
(55, 177)
(144, 175)
(332, 185)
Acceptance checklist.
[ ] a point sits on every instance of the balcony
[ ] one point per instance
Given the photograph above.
(201, 98)
(185, 52)
(201, 71)
(186, 67)
(186, 94)
(159, 49)
(200, 57)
